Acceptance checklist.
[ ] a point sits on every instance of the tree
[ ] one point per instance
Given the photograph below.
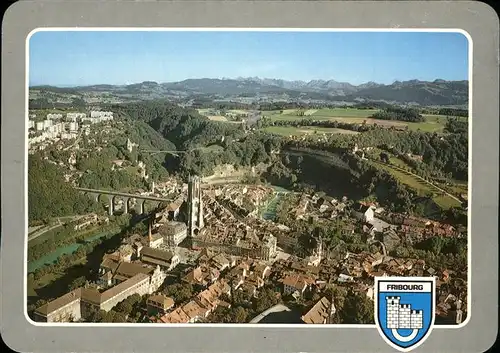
(180, 292)
(77, 283)
(49, 194)
(357, 309)
(265, 299)
(119, 317)
(124, 307)
(240, 315)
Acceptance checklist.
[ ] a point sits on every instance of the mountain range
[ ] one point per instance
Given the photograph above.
(437, 92)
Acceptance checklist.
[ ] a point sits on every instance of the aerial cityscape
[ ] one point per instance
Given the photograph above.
(170, 181)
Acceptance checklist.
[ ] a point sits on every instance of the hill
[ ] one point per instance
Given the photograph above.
(425, 93)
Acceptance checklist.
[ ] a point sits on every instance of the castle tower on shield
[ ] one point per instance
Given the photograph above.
(402, 316)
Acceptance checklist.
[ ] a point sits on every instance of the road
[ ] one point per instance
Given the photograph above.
(275, 309)
(59, 223)
(76, 141)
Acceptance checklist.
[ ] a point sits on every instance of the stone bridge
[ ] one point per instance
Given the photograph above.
(127, 198)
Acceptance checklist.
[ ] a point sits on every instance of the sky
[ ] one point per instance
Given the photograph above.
(71, 58)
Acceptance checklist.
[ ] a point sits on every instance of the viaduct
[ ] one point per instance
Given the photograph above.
(127, 198)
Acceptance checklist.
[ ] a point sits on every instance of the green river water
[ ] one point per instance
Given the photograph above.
(67, 249)
(269, 212)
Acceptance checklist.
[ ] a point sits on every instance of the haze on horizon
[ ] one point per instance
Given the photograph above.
(79, 58)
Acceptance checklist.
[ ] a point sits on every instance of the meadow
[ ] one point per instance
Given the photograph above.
(432, 123)
(421, 186)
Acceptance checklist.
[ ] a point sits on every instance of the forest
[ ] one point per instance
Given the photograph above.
(162, 125)
(49, 194)
(399, 114)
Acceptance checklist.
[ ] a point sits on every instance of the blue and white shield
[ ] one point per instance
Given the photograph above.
(404, 310)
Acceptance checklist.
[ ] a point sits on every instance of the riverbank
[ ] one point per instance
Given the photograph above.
(68, 249)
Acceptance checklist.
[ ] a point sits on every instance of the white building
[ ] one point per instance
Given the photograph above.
(365, 213)
(75, 116)
(101, 114)
(47, 123)
(68, 135)
(53, 116)
(72, 126)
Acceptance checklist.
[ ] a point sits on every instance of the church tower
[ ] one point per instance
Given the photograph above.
(195, 205)
(319, 249)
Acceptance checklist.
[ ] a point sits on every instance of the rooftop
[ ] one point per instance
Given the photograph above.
(318, 313)
(60, 302)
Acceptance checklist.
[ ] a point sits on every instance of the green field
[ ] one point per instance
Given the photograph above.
(422, 187)
(344, 113)
(432, 123)
(305, 130)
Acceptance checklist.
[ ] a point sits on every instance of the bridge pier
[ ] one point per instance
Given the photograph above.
(125, 205)
(111, 204)
(140, 206)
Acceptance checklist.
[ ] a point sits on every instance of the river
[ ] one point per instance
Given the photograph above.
(269, 212)
(67, 249)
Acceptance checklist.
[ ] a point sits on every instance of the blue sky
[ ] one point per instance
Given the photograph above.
(84, 58)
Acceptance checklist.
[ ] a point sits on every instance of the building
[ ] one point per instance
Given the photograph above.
(78, 303)
(112, 272)
(173, 233)
(75, 116)
(92, 298)
(54, 116)
(159, 304)
(174, 207)
(154, 240)
(195, 311)
(320, 313)
(195, 206)
(101, 114)
(127, 270)
(296, 283)
(269, 247)
(72, 126)
(364, 213)
(177, 316)
(63, 309)
(166, 259)
(131, 145)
